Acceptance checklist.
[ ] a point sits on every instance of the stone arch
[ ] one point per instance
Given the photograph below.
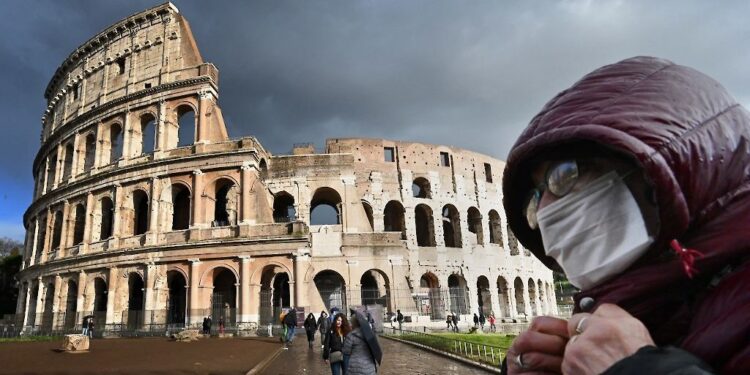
(429, 298)
(496, 228)
(375, 289)
(332, 289)
(57, 229)
(140, 204)
(519, 287)
(420, 188)
(283, 207)
(68, 157)
(263, 168)
(367, 207)
(451, 226)
(187, 124)
(88, 150)
(177, 283)
(325, 207)
(533, 300)
(458, 290)
(224, 281)
(48, 316)
(256, 276)
(543, 304)
(503, 298)
(113, 144)
(144, 135)
(474, 221)
(79, 223)
(135, 302)
(51, 169)
(275, 292)
(180, 207)
(103, 219)
(394, 219)
(99, 303)
(484, 296)
(223, 201)
(512, 242)
(71, 302)
(425, 225)
(209, 273)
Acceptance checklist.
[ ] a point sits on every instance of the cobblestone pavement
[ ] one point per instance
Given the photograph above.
(398, 358)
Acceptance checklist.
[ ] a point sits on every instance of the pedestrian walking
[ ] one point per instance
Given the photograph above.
(208, 325)
(205, 325)
(455, 322)
(449, 322)
(324, 325)
(476, 320)
(290, 321)
(491, 319)
(362, 347)
(399, 319)
(92, 322)
(332, 353)
(481, 320)
(85, 325)
(310, 327)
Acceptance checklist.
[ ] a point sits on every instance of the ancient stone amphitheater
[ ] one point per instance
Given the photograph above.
(146, 215)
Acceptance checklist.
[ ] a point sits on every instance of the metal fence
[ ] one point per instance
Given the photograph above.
(488, 354)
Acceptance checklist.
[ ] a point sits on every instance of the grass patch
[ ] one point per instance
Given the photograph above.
(29, 339)
(499, 344)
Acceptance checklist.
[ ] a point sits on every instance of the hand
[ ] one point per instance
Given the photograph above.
(328, 362)
(600, 339)
(540, 348)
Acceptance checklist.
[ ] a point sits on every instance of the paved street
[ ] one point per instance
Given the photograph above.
(397, 359)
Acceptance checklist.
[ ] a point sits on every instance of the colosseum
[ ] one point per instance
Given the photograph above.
(147, 216)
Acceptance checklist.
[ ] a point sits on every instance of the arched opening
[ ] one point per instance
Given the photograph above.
(451, 226)
(474, 219)
(393, 218)
(520, 307)
(107, 217)
(533, 301)
(368, 213)
(176, 304)
(325, 207)
(68, 161)
(224, 297)
(275, 293)
(31, 318)
(428, 300)
(503, 298)
(79, 224)
(115, 142)
(134, 318)
(41, 239)
(420, 188)
(496, 230)
(459, 294)
(543, 305)
(71, 300)
(180, 207)
(51, 171)
(140, 212)
(283, 208)
(49, 301)
(425, 225)
(484, 297)
(332, 289)
(375, 289)
(148, 134)
(100, 303)
(225, 206)
(57, 230)
(512, 242)
(263, 167)
(186, 126)
(89, 153)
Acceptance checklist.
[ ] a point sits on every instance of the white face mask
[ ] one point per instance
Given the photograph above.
(594, 233)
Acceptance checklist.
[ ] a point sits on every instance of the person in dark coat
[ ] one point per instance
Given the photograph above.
(455, 322)
(208, 325)
(481, 321)
(205, 325)
(361, 360)
(635, 183)
(290, 321)
(399, 319)
(476, 320)
(335, 343)
(310, 327)
(324, 325)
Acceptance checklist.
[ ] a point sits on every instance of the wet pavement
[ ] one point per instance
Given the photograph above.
(398, 358)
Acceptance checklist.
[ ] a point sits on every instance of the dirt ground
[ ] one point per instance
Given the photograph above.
(139, 355)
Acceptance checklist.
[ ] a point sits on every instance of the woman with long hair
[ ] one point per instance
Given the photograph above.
(334, 342)
(310, 326)
(361, 360)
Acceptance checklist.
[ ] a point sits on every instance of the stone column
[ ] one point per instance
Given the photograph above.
(35, 243)
(58, 167)
(21, 301)
(29, 286)
(47, 236)
(64, 232)
(247, 183)
(111, 295)
(203, 118)
(87, 225)
(99, 148)
(116, 216)
(512, 303)
(153, 215)
(194, 302)
(56, 302)
(81, 296)
(74, 165)
(198, 214)
(127, 134)
(148, 293)
(40, 294)
(301, 263)
(254, 303)
(245, 289)
(526, 301)
(349, 192)
(161, 130)
(45, 177)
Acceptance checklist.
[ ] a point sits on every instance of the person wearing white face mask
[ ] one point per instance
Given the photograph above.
(635, 183)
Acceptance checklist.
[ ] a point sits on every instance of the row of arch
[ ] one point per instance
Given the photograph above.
(105, 145)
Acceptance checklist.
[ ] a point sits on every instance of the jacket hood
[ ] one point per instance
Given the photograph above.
(689, 136)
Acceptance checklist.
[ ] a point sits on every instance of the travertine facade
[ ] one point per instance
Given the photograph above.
(145, 213)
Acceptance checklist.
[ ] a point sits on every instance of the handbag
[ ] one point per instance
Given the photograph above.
(336, 357)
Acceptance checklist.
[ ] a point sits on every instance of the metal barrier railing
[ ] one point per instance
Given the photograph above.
(488, 354)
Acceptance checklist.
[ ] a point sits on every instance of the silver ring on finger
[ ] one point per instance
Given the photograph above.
(579, 326)
(519, 361)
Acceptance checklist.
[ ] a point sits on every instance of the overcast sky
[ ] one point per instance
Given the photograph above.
(465, 73)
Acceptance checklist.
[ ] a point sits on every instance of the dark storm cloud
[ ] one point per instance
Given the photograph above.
(468, 74)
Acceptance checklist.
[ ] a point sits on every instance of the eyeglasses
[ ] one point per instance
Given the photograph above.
(558, 180)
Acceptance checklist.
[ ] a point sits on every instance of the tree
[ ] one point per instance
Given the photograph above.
(10, 264)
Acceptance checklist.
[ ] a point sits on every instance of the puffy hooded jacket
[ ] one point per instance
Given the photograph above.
(692, 141)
